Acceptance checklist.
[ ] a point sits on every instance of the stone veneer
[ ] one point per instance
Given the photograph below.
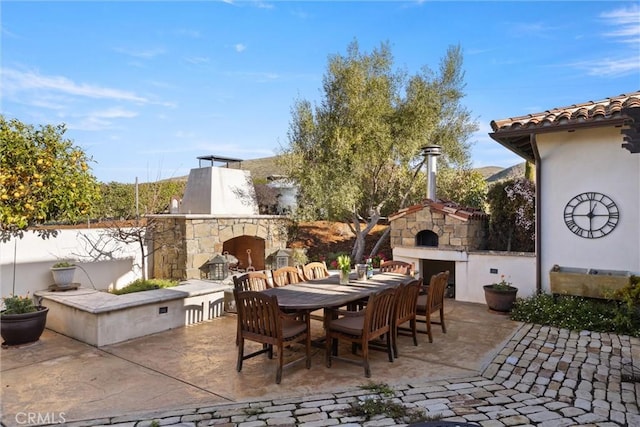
(183, 244)
(456, 228)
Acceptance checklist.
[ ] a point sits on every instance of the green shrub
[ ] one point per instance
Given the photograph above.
(577, 313)
(144, 285)
(16, 304)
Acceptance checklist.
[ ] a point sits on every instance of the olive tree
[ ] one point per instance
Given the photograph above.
(357, 154)
(43, 177)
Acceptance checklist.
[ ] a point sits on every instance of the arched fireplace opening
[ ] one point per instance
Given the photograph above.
(249, 250)
(427, 238)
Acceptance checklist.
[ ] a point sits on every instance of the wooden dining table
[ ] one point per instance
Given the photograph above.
(329, 293)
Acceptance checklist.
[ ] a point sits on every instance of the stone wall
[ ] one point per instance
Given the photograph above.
(454, 231)
(183, 244)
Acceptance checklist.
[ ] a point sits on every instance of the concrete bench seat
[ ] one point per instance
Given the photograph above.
(100, 318)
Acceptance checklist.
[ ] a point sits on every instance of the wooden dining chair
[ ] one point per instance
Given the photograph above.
(261, 320)
(360, 327)
(284, 276)
(405, 310)
(315, 270)
(396, 267)
(433, 301)
(252, 281)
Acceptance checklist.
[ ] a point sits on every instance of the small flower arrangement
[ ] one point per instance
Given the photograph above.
(502, 285)
(344, 263)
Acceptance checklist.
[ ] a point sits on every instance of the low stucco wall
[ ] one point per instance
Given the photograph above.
(100, 318)
(473, 270)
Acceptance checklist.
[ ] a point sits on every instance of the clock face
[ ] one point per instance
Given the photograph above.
(591, 215)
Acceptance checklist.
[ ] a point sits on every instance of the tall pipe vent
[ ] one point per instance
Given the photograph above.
(431, 152)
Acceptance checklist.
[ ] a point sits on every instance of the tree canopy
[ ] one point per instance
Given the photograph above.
(357, 154)
(43, 177)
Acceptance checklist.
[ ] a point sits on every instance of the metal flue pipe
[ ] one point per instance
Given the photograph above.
(431, 152)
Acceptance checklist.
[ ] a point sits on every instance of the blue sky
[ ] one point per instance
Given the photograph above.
(145, 87)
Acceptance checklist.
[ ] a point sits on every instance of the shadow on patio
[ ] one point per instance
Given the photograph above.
(195, 366)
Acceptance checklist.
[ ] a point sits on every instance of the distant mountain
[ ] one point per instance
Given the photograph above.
(267, 166)
(516, 171)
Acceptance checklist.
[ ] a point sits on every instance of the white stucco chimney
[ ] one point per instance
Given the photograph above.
(431, 152)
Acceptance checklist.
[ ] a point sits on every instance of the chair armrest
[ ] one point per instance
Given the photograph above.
(298, 315)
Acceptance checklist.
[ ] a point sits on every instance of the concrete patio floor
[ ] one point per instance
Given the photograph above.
(59, 377)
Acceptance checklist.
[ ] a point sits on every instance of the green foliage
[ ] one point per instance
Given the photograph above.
(16, 304)
(118, 200)
(575, 313)
(502, 285)
(381, 404)
(63, 264)
(464, 186)
(512, 207)
(628, 313)
(43, 178)
(355, 155)
(145, 285)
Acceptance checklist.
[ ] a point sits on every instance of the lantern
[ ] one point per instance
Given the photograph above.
(218, 268)
(282, 258)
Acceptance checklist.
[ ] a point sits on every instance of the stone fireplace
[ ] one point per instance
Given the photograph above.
(218, 214)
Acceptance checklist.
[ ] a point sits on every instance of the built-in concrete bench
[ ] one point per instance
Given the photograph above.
(101, 318)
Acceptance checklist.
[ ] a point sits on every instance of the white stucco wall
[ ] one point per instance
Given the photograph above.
(577, 162)
(473, 269)
(219, 191)
(35, 257)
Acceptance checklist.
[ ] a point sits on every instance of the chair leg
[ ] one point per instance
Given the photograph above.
(365, 359)
(308, 349)
(395, 341)
(390, 344)
(429, 328)
(444, 328)
(328, 350)
(240, 354)
(414, 331)
(280, 363)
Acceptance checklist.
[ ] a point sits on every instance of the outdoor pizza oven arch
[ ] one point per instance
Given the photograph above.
(427, 238)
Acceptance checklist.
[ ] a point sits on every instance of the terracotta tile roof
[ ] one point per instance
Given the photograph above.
(514, 132)
(448, 208)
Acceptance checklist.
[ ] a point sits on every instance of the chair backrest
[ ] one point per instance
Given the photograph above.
(377, 316)
(284, 276)
(252, 281)
(396, 267)
(406, 300)
(315, 270)
(258, 316)
(437, 287)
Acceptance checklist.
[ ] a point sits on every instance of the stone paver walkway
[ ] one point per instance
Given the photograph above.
(543, 376)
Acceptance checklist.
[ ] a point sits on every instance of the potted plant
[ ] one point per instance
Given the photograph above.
(63, 273)
(500, 296)
(344, 264)
(21, 321)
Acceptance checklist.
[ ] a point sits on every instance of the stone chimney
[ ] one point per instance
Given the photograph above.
(431, 152)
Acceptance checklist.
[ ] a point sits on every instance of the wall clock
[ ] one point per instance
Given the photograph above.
(591, 215)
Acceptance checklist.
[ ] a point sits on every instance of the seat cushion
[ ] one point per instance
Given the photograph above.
(291, 328)
(348, 325)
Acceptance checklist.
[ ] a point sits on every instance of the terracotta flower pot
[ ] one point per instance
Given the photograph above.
(500, 300)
